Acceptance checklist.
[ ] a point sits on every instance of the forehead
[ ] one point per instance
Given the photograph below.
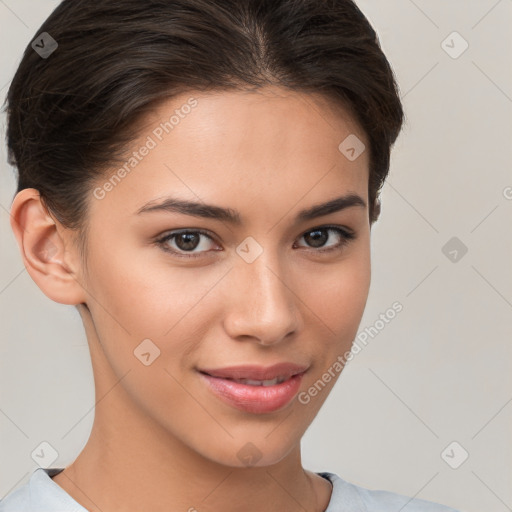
(271, 146)
(279, 117)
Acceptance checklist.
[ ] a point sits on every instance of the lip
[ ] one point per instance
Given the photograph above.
(256, 372)
(255, 399)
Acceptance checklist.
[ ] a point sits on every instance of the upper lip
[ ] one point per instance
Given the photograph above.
(255, 372)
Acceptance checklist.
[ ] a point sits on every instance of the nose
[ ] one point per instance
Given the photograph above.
(263, 307)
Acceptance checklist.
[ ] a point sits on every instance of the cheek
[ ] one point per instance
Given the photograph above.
(143, 294)
(140, 298)
(337, 294)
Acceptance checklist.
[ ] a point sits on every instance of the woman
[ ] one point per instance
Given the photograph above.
(200, 178)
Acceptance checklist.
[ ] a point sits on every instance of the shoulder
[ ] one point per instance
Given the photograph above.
(40, 494)
(353, 498)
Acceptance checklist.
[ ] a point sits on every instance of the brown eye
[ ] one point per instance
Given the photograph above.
(318, 237)
(186, 241)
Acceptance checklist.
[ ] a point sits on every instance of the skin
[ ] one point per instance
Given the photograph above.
(160, 439)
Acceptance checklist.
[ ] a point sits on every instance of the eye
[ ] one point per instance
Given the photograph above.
(317, 237)
(182, 243)
(185, 242)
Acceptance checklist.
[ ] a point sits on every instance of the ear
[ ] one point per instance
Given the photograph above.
(46, 248)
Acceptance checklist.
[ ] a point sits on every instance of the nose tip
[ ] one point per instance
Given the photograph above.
(264, 308)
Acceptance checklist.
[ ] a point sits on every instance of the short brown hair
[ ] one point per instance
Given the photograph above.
(71, 115)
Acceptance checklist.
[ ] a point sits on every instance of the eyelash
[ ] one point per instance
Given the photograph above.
(346, 237)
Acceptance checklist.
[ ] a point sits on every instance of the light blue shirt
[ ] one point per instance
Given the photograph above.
(42, 494)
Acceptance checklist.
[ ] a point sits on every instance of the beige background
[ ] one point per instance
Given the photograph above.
(439, 372)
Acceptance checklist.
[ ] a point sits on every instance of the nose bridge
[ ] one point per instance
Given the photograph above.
(263, 305)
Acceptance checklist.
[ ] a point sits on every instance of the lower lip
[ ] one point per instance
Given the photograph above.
(255, 399)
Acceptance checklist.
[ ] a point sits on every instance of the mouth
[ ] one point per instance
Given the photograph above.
(251, 382)
(255, 389)
(257, 375)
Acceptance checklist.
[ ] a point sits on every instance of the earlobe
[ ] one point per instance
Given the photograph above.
(46, 249)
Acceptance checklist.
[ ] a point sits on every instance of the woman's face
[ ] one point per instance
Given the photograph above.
(252, 282)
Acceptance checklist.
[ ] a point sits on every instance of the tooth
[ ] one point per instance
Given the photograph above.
(251, 382)
(268, 382)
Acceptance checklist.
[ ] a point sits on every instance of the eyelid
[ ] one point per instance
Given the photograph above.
(345, 229)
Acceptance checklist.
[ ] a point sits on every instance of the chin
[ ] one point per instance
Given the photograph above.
(251, 452)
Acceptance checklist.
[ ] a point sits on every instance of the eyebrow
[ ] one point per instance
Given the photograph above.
(207, 211)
